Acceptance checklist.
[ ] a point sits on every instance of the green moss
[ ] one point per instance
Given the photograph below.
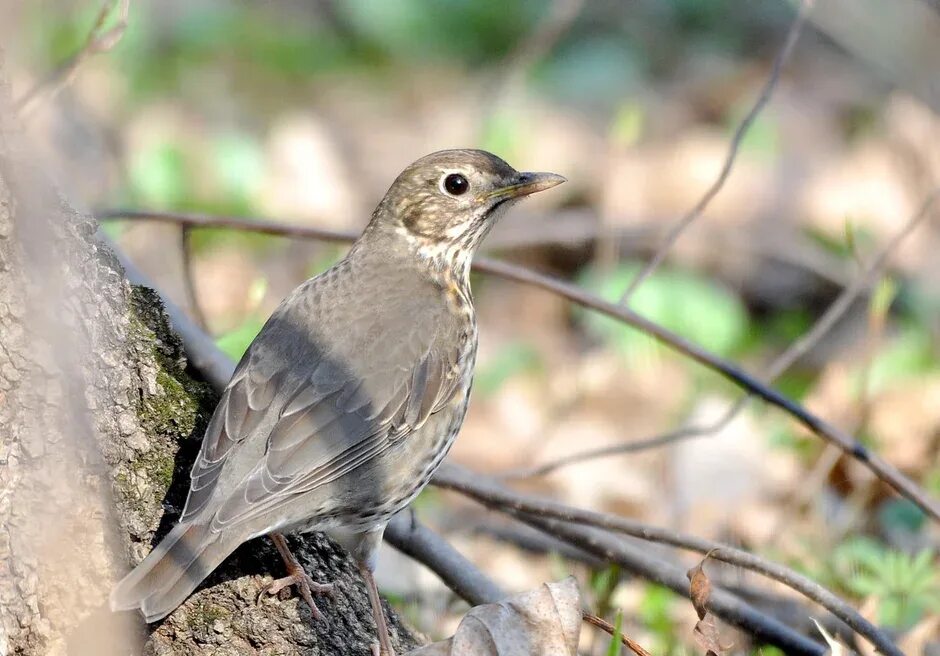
(202, 616)
(159, 467)
(174, 413)
(182, 406)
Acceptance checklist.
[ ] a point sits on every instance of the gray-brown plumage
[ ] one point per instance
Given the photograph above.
(352, 393)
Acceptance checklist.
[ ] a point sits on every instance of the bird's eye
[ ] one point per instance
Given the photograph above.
(456, 184)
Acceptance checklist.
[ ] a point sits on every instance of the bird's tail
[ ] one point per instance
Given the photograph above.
(164, 579)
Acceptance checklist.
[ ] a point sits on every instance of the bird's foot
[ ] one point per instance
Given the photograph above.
(304, 584)
(377, 650)
(296, 576)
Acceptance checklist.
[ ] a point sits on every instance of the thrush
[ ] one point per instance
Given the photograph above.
(350, 396)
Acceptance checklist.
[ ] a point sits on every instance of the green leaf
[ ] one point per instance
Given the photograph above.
(695, 307)
(883, 297)
(502, 134)
(159, 176)
(615, 646)
(851, 243)
(512, 359)
(234, 343)
(239, 166)
(864, 585)
(901, 514)
(762, 139)
(907, 355)
(627, 126)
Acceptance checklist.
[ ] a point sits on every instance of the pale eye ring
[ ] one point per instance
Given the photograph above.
(455, 184)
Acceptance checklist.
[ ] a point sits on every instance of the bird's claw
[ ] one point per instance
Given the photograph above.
(305, 585)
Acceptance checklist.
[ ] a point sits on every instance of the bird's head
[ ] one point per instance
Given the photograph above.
(447, 201)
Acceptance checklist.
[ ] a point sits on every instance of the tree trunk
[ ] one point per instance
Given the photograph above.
(99, 423)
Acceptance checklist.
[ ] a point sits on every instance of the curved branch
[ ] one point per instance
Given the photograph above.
(784, 361)
(417, 541)
(722, 603)
(500, 498)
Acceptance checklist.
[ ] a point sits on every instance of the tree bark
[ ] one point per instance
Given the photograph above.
(99, 423)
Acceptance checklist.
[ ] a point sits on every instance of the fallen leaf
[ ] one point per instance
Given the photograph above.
(546, 620)
(706, 635)
(700, 589)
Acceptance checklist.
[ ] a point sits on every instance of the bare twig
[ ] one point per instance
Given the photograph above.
(99, 40)
(255, 224)
(572, 227)
(500, 498)
(881, 468)
(417, 541)
(608, 628)
(671, 437)
(676, 231)
(784, 361)
(642, 563)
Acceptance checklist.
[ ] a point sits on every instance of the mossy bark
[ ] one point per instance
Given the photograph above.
(100, 421)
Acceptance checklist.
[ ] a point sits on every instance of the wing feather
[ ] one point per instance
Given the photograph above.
(334, 433)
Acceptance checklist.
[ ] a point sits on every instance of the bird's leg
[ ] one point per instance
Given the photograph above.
(385, 641)
(296, 576)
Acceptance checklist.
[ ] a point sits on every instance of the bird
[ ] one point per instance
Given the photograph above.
(350, 396)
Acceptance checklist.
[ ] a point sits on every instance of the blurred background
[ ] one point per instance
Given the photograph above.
(304, 112)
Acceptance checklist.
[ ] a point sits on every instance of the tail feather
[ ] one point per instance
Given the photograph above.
(168, 575)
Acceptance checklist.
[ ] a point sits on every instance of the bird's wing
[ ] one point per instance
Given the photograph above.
(245, 402)
(347, 409)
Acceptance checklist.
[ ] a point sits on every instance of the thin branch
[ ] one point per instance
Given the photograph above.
(260, 225)
(531, 540)
(572, 227)
(881, 468)
(420, 543)
(788, 609)
(98, 41)
(784, 361)
(671, 437)
(642, 563)
(779, 61)
(609, 629)
(499, 498)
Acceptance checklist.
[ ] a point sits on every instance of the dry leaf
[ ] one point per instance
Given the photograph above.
(836, 648)
(546, 620)
(706, 635)
(700, 589)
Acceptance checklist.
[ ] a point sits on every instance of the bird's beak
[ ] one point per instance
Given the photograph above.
(528, 183)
